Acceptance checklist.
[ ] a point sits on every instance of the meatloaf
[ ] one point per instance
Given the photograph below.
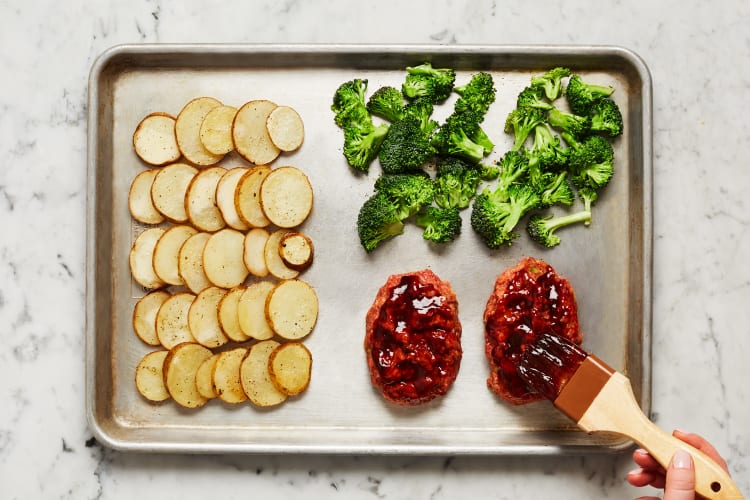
(413, 338)
(528, 300)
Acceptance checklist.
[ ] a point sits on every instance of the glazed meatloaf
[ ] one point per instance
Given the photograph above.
(528, 300)
(413, 338)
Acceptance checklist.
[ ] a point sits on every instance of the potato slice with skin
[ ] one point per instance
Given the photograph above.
(292, 309)
(250, 135)
(254, 257)
(229, 317)
(296, 250)
(167, 251)
(187, 131)
(290, 366)
(276, 266)
(169, 188)
(256, 377)
(286, 129)
(225, 190)
(142, 258)
(216, 130)
(204, 378)
(180, 368)
(144, 316)
(190, 262)
(172, 320)
(223, 258)
(139, 198)
(149, 376)
(203, 318)
(226, 376)
(154, 139)
(286, 197)
(247, 197)
(251, 310)
(200, 200)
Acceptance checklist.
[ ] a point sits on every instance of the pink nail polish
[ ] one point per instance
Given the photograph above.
(682, 460)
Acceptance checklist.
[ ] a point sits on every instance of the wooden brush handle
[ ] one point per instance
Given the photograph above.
(615, 410)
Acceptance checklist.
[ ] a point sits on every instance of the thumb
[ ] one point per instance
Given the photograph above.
(680, 480)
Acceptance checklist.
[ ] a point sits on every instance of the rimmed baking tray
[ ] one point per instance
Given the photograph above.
(608, 263)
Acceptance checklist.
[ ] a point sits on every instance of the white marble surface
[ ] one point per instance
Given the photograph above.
(699, 56)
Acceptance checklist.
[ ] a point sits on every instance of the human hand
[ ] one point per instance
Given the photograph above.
(678, 481)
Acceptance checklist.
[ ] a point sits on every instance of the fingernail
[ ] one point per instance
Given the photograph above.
(682, 460)
(641, 451)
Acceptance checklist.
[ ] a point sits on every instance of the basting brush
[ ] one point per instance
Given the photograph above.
(600, 399)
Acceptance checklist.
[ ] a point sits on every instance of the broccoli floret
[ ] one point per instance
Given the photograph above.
(551, 82)
(426, 81)
(489, 172)
(591, 162)
(606, 117)
(407, 192)
(477, 95)
(387, 102)
(574, 125)
(547, 152)
(521, 122)
(349, 105)
(541, 228)
(405, 147)
(581, 95)
(495, 214)
(421, 108)
(513, 167)
(532, 97)
(377, 221)
(441, 225)
(456, 183)
(362, 146)
(461, 135)
(553, 189)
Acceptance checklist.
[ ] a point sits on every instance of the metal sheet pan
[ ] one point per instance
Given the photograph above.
(609, 263)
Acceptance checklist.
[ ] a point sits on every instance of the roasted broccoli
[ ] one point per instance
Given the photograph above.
(456, 182)
(533, 97)
(606, 117)
(349, 105)
(377, 221)
(521, 122)
(591, 161)
(407, 192)
(546, 153)
(406, 147)
(387, 102)
(462, 135)
(553, 189)
(361, 146)
(421, 108)
(477, 95)
(574, 125)
(581, 95)
(495, 214)
(541, 228)
(441, 225)
(426, 81)
(513, 166)
(551, 82)
(489, 172)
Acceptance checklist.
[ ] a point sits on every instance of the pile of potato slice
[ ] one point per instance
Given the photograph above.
(221, 255)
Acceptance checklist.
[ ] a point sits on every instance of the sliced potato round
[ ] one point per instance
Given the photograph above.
(250, 135)
(251, 310)
(216, 130)
(254, 256)
(247, 197)
(296, 250)
(167, 252)
(169, 188)
(292, 309)
(154, 139)
(190, 262)
(204, 378)
(187, 131)
(226, 376)
(223, 258)
(275, 264)
(142, 258)
(144, 316)
(286, 196)
(180, 369)
(229, 317)
(290, 365)
(225, 190)
(203, 318)
(285, 127)
(256, 377)
(149, 376)
(172, 320)
(200, 200)
(139, 198)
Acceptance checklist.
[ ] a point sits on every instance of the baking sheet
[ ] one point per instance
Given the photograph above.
(608, 263)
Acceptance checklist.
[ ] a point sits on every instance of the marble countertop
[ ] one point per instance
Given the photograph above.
(698, 54)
